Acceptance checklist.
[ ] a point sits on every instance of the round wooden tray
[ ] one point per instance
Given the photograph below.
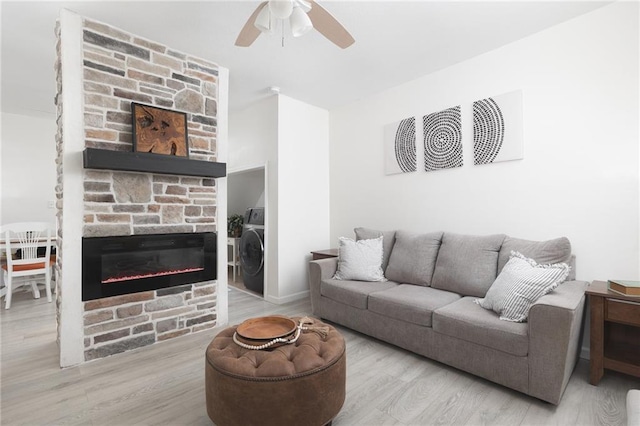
(266, 328)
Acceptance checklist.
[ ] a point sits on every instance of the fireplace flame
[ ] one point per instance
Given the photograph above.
(150, 275)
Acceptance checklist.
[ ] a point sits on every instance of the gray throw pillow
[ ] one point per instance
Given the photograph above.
(557, 250)
(360, 260)
(467, 264)
(521, 282)
(388, 239)
(413, 257)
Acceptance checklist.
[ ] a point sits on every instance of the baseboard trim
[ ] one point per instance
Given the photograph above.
(585, 353)
(287, 299)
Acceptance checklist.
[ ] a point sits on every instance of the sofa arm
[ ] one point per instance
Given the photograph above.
(555, 332)
(319, 270)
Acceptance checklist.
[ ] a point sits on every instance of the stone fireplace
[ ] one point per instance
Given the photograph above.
(98, 203)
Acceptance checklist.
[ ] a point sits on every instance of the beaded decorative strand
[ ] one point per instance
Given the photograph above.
(270, 343)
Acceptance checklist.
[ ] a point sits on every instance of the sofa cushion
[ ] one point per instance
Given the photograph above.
(466, 320)
(544, 252)
(410, 303)
(467, 264)
(413, 257)
(388, 240)
(360, 260)
(522, 282)
(352, 293)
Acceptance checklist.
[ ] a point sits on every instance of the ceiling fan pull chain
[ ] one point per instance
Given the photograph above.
(282, 26)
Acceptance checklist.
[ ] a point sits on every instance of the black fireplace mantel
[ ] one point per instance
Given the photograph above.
(94, 158)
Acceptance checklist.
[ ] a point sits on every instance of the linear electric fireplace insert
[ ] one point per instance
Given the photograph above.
(112, 266)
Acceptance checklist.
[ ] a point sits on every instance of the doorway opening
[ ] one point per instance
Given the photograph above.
(246, 197)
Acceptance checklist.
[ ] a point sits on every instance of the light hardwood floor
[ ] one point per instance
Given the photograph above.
(239, 283)
(164, 384)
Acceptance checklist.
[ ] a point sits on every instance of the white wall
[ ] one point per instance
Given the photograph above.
(292, 139)
(70, 308)
(303, 188)
(579, 176)
(222, 149)
(28, 168)
(253, 135)
(246, 190)
(253, 143)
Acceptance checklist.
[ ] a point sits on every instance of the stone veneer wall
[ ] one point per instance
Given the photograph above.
(120, 68)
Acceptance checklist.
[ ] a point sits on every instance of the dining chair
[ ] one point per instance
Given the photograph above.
(24, 262)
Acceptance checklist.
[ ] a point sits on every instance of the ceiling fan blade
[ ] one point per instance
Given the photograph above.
(249, 32)
(329, 27)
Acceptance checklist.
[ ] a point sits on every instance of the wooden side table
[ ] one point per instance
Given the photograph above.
(324, 254)
(615, 332)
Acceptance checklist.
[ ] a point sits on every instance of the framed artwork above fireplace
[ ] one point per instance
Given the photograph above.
(159, 131)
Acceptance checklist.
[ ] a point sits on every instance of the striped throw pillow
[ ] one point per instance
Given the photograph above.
(521, 282)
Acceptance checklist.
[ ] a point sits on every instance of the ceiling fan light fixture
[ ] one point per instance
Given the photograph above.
(299, 22)
(281, 9)
(264, 22)
(303, 15)
(303, 4)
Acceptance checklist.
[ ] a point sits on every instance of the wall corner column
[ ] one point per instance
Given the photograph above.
(70, 315)
(222, 154)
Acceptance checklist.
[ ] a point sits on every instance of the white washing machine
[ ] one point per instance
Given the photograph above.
(252, 250)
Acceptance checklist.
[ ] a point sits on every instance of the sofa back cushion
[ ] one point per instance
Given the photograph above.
(413, 258)
(543, 252)
(467, 264)
(388, 239)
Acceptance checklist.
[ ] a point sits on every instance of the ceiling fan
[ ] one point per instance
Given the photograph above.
(303, 15)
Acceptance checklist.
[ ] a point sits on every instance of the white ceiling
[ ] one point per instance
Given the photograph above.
(396, 41)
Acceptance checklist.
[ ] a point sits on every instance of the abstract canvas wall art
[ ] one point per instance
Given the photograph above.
(497, 128)
(442, 132)
(400, 147)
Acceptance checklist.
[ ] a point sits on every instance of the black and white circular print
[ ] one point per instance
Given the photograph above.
(488, 131)
(498, 132)
(405, 145)
(442, 139)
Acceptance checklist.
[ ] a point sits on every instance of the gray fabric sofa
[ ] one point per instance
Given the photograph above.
(427, 306)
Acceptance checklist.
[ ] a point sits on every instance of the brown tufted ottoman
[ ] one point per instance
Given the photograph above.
(295, 384)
